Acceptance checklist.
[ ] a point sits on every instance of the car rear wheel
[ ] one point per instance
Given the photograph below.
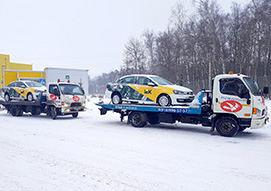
(164, 100)
(116, 98)
(30, 97)
(7, 97)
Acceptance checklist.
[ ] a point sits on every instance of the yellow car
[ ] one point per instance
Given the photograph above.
(148, 89)
(23, 90)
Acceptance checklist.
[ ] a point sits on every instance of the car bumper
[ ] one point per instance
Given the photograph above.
(180, 99)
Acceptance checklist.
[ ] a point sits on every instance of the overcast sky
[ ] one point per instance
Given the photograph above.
(85, 34)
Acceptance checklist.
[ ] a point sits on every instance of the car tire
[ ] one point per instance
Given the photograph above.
(29, 97)
(116, 98)
(7, 97)
(164, 100)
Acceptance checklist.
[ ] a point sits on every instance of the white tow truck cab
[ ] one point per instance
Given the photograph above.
(64, 98)
(234, 104)
(238, 96)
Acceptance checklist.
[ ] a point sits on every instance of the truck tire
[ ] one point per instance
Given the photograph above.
(53, 112)
(138, 119)
(16, 110)
(74, 115)
(227, 126)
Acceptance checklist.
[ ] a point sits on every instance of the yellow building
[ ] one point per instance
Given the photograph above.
(10, 71)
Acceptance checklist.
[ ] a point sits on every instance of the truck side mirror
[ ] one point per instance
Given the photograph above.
(265, 90)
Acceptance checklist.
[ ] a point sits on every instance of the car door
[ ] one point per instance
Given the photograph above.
(13, 90)
(21, 88)
(124, 87)
(147, 89)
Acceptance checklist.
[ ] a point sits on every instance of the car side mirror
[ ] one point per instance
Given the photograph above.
(151, 84)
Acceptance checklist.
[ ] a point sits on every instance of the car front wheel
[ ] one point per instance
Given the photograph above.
(30, 97)
(164, 100)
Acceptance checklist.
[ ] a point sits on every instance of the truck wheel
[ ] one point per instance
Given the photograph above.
(164, 100)
(116, 98)
(74, 115)
(137, 119)
(16, 110)
(7, 97)
(29, 97)
(53, 112)
(227, 126)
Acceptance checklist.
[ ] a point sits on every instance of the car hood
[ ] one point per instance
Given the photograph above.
(40, 88)
(180, 88)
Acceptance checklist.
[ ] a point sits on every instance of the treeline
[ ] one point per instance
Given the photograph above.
(194, 49)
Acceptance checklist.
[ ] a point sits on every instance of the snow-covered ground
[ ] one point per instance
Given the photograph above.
(94, 152)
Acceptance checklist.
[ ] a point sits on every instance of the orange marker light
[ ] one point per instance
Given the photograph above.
(230, 72)
(254, 111)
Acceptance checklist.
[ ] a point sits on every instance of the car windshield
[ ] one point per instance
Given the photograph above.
(253, 86)
(71, 89)
(34, 84)
(160, 81)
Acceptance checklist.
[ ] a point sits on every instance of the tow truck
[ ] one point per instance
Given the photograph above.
(234, 104)
(60, 98)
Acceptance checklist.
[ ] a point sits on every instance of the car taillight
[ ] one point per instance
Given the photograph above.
(106, 86)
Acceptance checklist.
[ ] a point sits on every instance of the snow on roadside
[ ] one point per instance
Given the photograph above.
(96, 152)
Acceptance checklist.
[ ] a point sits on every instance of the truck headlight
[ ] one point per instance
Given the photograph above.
(66, 105)
(178, 92)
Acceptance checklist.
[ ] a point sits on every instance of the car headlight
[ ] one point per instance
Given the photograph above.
(37, 91)
(178, 92)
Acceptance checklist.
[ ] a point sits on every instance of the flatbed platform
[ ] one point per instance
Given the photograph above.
(193, 108)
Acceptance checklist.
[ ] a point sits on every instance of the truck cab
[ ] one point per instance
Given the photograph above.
(65, 98)
(237, 97)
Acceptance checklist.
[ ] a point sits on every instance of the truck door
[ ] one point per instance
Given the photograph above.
(232, 96)
(53, 96)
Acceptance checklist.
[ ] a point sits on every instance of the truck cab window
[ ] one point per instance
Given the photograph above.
(233, 86)
(53, 89)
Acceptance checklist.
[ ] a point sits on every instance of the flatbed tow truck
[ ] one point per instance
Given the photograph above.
(234, 104)
(61, 98)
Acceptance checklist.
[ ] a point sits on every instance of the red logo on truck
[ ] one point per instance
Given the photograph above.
(53, 97)
(231, 106)
(76, 98)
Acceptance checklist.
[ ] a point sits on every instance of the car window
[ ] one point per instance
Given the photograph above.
(160, 80)
(20, 85)
(128, 80)
(11, 84)
(143, 80)
(34, 84)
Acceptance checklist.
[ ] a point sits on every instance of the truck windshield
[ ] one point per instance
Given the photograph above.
(253, 86)
(70, 89)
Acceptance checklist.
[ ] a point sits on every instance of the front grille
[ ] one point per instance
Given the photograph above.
(76, 105)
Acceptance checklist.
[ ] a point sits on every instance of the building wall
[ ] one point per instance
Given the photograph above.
(6, 64)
